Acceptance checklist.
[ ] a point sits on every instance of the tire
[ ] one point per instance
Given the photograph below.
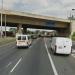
(18, 47)
(71, 49)
(28, 46)
(55, 50)
(51, 48)
(68, 54)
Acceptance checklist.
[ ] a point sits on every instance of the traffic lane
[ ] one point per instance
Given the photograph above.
(36, 62)
(9, 56)
(10, 49)
(65, 65)
(6, 48)
(9, 59)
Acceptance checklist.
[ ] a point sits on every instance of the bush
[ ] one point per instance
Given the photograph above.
(73, 38)
(73, 34)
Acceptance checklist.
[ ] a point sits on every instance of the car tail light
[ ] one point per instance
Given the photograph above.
(27, 42)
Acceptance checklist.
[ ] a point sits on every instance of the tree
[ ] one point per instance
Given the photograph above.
(13, 30)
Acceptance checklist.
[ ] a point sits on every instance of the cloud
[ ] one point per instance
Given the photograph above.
(8, 4)
(59, 8)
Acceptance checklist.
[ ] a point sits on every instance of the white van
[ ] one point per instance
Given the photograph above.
(61, 45)
(23, 40)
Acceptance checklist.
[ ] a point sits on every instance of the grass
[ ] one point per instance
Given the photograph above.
(6, 40)
(73, 38)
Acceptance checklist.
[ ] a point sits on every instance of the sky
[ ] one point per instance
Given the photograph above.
(55, 8)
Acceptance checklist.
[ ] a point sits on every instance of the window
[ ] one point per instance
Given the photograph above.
(29, 37)
(23, 37)
(19, 37)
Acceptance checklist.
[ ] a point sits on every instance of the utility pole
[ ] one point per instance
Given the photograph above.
(5, 25)
(1, 18)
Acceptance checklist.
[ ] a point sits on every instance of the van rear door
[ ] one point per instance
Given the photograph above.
(64, 45)
(67, 44)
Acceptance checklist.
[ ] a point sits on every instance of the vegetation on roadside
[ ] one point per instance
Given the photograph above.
(73, 36)
(6, 40)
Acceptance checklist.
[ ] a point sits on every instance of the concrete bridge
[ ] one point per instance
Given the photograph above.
(28, 20)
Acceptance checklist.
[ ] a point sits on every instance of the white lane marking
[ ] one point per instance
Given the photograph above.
(52, 63)
(16, 65)
(6, 44)
(8, 64)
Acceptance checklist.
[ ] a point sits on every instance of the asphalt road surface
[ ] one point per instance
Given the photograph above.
(38, 59)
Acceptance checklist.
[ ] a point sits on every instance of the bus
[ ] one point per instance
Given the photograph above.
(23, 40)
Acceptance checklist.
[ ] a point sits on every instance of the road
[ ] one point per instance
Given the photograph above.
(35, 60)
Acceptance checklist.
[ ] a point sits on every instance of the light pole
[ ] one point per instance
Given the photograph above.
(1, 18)
(5, 25)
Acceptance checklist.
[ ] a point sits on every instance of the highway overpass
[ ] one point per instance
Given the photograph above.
(29, 20)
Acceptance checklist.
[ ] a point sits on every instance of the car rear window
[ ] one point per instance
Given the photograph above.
(23, 37)
(19, 37)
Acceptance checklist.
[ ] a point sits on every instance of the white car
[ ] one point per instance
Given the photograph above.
(23, 40)
(61, 45)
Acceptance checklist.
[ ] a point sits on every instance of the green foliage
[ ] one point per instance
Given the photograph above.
(73, 34)
(73, 38)
(12, 30)
(30, 32)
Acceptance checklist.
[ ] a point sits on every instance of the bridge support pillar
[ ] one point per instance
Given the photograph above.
(72, 28)
(24, 30)
(19, 30)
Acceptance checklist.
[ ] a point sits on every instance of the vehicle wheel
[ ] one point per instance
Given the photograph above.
(55, 50)
(51, 48)
(68, 54)
(28, 46)
(18, 47)
(71, 50)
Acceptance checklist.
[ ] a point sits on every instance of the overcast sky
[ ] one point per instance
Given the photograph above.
(56, 8)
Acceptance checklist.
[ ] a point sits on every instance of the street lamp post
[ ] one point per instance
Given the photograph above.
(1, 18)
(5, 25)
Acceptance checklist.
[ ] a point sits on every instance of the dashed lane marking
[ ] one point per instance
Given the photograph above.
(8, 64)
(16, 65)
